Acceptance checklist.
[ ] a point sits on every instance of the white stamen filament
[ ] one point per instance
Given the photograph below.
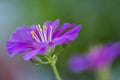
(34, 35)
(45, 32)
(42, 35)
(40, 32)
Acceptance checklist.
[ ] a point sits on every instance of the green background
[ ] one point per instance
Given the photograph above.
(100, 20)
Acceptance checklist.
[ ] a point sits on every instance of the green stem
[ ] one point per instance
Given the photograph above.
(52, 61)
(55, 71)
(104, 73)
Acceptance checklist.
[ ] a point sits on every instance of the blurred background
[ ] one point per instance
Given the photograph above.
(100, 21)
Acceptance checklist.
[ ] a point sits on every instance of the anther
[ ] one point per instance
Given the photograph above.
(40, 28)
(45, 27)
(34, 36)
(32, 33)
(51, 27)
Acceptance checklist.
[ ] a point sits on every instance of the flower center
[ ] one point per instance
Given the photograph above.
(44, 33)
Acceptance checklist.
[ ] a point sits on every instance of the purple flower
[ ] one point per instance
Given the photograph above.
(39, 39)
(78, 63)
(97, 57)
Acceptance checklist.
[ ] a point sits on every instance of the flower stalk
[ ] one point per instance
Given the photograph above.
(53, 65)
(53, 61)
(104, 73)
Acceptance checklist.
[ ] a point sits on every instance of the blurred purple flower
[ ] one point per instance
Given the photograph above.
(37, 40)
(97, 57)
(78, 63)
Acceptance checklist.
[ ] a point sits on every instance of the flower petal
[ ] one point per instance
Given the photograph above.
(47, 23)
(62, 28)
(74, 30)
(55, 24)
(59, 40)
(22, 34)
(64, 39)
(17, 47)
(68, 36)
(78, 63)
(71, 37)
(33, 53)
(40, 45)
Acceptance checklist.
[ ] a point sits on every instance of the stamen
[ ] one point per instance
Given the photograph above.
(34, 36)
(45, 32)
(45, 27)
(38, 28)
(40, 32)
(32, 32)
(51, 27)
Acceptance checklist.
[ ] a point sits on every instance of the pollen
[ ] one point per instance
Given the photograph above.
(45, 27)
(38, 28)
(51, 27)
(33, 34)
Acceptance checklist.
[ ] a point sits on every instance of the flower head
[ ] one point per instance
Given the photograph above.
(78, 63)
(39, 39)
(97, 57)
